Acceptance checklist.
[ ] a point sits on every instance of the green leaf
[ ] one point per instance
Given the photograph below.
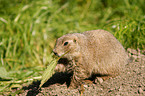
(4, 74)
(48, 72)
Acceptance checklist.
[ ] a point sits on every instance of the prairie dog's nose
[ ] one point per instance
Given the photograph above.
(55, 53)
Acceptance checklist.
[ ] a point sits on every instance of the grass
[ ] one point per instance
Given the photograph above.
(29, 29)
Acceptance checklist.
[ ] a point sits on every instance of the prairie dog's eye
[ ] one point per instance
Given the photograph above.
(65, 43)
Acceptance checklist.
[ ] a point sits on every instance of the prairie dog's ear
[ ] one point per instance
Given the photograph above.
(75, 39)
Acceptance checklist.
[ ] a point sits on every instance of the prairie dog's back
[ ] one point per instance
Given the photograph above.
(109, 56)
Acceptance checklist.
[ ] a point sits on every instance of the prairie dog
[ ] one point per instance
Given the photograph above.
(91, 52)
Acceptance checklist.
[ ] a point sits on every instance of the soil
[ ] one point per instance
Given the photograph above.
(130, 83)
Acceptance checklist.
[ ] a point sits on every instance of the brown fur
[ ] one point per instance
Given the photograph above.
(91, 52)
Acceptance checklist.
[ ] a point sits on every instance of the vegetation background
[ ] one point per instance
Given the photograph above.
(29, 28)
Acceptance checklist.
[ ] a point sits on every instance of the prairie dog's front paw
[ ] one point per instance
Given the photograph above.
(60, 68)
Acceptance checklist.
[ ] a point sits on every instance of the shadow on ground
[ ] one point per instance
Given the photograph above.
(57, 78)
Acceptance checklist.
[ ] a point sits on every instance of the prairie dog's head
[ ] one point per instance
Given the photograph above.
(67, 43)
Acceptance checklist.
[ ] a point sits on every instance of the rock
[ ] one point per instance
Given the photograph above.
(120, 88)
(100, 80)
(140, 91)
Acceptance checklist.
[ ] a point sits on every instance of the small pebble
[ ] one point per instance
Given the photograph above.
(120, 88)
(140, 91)
(85, 85)
(99, 79)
